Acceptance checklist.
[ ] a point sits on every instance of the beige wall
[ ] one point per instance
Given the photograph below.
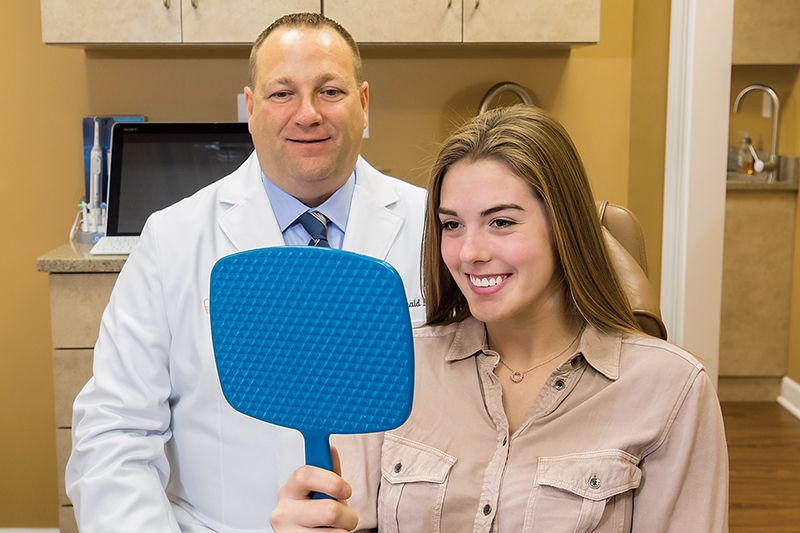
(603, 94)
(42, 94)
(785, 79)
(648, 124)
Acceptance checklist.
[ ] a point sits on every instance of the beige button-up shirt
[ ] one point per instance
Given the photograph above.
(625, 436)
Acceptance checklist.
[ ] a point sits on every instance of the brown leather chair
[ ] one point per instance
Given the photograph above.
(625, 245)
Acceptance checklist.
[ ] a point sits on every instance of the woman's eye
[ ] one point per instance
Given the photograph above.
(502, 223)
(449, 225)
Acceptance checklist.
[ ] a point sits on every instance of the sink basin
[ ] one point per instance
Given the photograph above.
(788, 169)
(758, 177)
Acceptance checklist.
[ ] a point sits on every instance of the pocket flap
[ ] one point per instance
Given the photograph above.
(593, 475)
(406, 461)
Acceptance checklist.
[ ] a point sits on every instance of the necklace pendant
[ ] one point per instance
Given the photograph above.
(516, 376)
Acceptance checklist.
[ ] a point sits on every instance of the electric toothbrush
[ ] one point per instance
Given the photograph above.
(95, 180)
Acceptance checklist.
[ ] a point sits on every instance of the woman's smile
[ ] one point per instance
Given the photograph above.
(493, 281)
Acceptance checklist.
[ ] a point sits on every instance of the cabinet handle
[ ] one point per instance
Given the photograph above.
(195, 3)
(166, 3)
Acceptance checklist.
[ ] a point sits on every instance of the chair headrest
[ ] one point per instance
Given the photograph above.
(625, 245)
(625, 228)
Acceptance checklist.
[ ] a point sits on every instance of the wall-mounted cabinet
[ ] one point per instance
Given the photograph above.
(111, 21)
(370, 21)
(398, 21)
(162, 21)
(532, 21)
(765, 32)
(235, 21)
(469, 21)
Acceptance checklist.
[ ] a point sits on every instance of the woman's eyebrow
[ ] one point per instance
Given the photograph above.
(484, 213)
(501, 207)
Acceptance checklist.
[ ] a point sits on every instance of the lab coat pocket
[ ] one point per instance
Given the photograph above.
(575, 493)
(413, 483)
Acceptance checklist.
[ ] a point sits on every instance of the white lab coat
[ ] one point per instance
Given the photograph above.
(156, 448)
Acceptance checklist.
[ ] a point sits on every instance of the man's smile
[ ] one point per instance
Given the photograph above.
(309, 141)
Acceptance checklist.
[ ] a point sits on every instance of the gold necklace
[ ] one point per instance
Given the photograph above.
(517, 376)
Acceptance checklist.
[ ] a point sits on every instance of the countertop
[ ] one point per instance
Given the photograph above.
(75, 258)
(737, 183)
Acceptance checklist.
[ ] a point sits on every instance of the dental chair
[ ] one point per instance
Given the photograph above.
(625, 245)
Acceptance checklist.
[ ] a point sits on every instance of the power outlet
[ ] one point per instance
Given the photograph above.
(241, 108)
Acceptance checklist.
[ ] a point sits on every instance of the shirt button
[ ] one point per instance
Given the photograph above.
(398, 467)
(560, 384)
(487, 509)
(594, 482)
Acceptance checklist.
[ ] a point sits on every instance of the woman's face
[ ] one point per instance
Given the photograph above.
(497, 243)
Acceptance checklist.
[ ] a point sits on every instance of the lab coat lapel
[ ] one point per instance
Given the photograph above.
(371, 228)
(247, 218)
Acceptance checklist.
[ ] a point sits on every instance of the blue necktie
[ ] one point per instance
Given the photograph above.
(315, 224)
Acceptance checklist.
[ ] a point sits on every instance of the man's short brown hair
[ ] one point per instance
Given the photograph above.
(308, 20)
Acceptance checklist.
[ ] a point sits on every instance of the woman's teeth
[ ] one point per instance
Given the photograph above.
(486, 282)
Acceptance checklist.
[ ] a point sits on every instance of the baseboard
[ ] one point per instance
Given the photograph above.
(748, 388)
(790, 396)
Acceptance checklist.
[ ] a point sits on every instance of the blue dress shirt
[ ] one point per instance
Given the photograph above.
(287, 208)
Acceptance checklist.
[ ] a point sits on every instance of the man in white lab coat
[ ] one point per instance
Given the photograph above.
(155, 445)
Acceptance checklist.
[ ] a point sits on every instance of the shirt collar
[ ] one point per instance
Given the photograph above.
(469, 340)
(601, 350)
(287, 208)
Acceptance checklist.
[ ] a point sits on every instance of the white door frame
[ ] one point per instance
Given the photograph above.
(701, 37)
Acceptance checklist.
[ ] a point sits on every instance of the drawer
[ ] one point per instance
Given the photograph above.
(77, 302)
(71, 370)
(66, 519)
(63, 449)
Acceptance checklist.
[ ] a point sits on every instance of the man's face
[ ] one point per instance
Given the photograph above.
(307, 112)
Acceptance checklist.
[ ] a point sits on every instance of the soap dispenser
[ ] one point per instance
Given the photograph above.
(744, 156)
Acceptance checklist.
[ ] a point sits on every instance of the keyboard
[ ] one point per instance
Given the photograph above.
(114, 245)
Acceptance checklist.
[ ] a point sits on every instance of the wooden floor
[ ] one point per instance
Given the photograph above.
(764, 451)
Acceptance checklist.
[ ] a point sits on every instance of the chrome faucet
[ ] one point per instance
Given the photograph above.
(771, 164)
(502, 87)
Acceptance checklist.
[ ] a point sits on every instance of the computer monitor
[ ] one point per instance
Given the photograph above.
(155, 164)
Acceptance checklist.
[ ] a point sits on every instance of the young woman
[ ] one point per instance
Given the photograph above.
(539, 406)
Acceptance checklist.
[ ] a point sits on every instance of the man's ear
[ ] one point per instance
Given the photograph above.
(249, 100)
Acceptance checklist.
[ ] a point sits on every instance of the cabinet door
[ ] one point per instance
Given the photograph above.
(235, 21)
(765, 32)
(398, 21)
(531, 21)
(75, 325)
(111, 21)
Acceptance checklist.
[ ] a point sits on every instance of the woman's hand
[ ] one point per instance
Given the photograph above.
(297, 512)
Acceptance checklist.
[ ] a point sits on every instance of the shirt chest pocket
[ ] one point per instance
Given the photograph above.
(583, 492)
(413, 483)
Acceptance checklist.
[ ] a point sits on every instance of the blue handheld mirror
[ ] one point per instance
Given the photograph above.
(313, 339)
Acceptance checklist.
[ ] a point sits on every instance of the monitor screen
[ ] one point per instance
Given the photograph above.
(155, 165)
